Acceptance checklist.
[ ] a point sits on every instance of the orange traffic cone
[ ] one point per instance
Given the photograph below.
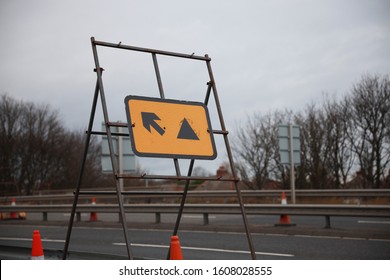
(175, 249)
(13, 215)
(37, 250)
(284, 219)
(93, 216)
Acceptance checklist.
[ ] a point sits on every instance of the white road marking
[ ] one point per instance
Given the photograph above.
(317, 236)
(30, 239)
(378, 239)
(205, 249)
(374, 222)
(342, 237)
(354, 238)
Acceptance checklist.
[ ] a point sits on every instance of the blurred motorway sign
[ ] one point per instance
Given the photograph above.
(169, 128)
(285, 145)
(122, 151)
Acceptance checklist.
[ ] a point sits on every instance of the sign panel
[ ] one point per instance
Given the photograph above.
(122, 150)
(169, 128)
(284, 144)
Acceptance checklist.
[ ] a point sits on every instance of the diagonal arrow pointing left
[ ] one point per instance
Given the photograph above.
(149, 120)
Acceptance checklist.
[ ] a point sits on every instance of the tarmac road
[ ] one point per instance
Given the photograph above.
(349, 239)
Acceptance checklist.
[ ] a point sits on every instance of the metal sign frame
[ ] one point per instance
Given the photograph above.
(99, 91)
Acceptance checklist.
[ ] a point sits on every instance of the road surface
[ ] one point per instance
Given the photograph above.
(350, 238)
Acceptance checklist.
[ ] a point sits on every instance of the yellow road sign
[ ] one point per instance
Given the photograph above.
(169, 128)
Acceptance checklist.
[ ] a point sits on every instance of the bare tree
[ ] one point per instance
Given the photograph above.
(315, 149)
(37, 146)
(72, 146)
(336, 137)
(341, 156)
(256, 148)
(369, 109)
(10, 130)
(37, 152)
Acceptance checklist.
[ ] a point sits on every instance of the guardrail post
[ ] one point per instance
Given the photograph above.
(327, 222)
(78, 216)
(158, 218)
(205, 219)
(44, 216)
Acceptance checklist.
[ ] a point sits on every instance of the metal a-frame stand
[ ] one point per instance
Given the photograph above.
(99, 91)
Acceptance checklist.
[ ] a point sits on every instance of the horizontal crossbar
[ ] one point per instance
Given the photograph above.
(147, 50)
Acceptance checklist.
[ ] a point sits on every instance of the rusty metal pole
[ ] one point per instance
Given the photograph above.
(162, 96)
(77, 191)
(292, 162)
(230, 156)
(175, 160)
(111, 148)
(158, 76)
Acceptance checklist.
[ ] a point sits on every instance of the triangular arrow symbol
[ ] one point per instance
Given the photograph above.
(149, 119)
(186, 131)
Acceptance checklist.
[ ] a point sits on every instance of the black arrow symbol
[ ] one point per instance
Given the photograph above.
(149, 119)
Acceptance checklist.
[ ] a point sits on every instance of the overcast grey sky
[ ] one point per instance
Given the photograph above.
(266, 54)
